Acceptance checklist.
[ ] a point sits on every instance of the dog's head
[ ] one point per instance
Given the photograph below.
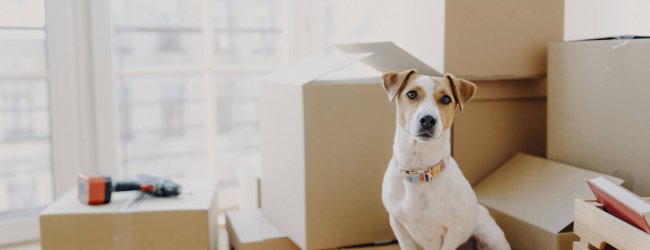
(426, 105)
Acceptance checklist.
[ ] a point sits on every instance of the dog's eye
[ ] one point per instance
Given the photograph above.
(445, 99)
(412, 95)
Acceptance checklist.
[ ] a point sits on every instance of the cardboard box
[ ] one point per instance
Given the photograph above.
(505, 117)
(593, 19)
(250, 230)
(532, 198)
(132, 221)
(482, 40)
(326, 144)
(598, 108)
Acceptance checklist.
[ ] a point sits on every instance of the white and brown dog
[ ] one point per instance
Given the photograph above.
(430, 202)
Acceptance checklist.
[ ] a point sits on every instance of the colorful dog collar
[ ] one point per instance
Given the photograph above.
(423, 175)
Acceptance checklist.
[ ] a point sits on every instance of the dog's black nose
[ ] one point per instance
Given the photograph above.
(427, 122)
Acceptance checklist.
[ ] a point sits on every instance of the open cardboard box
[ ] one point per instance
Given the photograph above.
(532, 200)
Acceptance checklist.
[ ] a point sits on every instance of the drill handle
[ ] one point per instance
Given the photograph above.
(127, 186)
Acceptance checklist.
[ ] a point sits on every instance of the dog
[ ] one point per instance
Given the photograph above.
(429, 201)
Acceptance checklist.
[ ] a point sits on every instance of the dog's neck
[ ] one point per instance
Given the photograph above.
(410, 153)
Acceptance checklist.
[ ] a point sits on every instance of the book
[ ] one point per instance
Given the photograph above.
(621, 203)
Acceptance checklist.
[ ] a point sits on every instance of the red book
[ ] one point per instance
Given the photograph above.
(621, 203)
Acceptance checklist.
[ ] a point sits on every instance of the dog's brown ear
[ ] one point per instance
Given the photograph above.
(463, 90)
(394, 82)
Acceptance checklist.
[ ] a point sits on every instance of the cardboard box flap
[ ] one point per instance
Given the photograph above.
(536, 190)
(252, 226)
(387, 56)
(312, 68)
(356, 72)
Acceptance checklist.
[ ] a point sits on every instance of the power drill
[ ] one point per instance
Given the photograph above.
(97, 189)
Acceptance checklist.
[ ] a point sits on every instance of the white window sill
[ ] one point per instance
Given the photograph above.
(18, 230)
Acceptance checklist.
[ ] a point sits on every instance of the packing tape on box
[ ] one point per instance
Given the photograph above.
(123, 234)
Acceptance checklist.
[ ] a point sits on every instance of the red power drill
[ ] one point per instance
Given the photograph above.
(97, 189)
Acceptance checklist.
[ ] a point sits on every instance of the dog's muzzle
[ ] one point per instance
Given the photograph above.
(427, 124)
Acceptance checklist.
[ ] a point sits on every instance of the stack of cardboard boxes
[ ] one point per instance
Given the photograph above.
(327, 131)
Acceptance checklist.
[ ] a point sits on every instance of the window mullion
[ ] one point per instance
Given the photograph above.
(68, 142)
(107, 140)
(209, 88)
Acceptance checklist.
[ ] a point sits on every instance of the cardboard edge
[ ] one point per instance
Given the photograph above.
(496, 214)
(564, 240)
(321, 65)
(233, 240)
(379, 49)
(609, 38)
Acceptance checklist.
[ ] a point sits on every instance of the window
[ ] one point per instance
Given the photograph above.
(185, 71)
(160, 74)
(25, 165)
(168, 87)
(248, 43)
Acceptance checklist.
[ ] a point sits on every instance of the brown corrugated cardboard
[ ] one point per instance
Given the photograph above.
(326, 145)
(598, 108)
(481, 40)
(132, 222)
(531, 199)
(250, 230)
(500, 39)
(504, 118)
(589, 19)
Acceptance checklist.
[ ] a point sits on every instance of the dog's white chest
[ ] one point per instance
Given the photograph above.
(429, 210)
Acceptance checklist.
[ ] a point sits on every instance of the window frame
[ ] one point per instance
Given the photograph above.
(70, 143)
(106, 96)
(82, 95)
